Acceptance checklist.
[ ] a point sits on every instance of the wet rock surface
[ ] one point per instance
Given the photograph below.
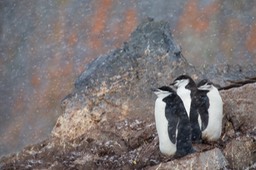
(108, 121)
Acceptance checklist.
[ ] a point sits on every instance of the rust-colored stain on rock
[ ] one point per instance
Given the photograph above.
(196, 18)
(99, 22)
(251, 39)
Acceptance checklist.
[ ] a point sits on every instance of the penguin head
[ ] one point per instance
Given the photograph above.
(205, 85)
(163, 91)
(183, 81)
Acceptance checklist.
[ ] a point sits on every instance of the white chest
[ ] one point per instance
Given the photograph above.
(184, 94)
(165, 145)
(215, 112)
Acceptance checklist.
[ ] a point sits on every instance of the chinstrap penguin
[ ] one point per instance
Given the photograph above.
(172, 123)
(210, 110)
(187, 89)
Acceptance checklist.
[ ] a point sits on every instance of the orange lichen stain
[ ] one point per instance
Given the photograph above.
(123, 29)
(100, 17)
(72, 39)
(251, 39)
(35, 80)
(95, 43)
(99, 20)
(130, 22)
(196, 18)
(67, 69)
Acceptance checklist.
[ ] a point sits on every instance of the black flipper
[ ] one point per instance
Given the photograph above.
(203, 109)
(172, 117)
(184, 143)
(178, 119)
(195, 128)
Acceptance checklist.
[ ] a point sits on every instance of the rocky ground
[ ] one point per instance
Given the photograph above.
(108, 122)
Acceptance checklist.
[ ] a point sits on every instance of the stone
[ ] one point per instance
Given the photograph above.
(240, 152)
(240, 108)
(211, 159)
(118, 85)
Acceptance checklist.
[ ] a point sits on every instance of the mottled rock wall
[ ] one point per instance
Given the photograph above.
(107, 122)
(45, 45)
(118, 85)
(122, 80)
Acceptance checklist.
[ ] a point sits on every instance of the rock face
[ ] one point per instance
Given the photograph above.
(108, 122)
(239, 110)
(119, 84)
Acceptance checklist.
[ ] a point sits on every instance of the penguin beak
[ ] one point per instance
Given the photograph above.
(154, 89)
(173, 84)
(204, 87)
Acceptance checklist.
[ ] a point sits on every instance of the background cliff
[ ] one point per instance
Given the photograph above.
(45, 46)
(108, 122)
